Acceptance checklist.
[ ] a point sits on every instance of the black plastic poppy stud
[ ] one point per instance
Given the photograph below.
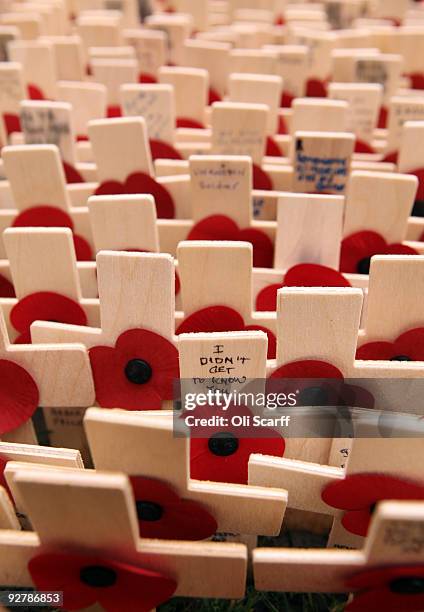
(138, 371)
(98, 576)
(407, 585)
(363, 266)
(223, 444)
(148, 510)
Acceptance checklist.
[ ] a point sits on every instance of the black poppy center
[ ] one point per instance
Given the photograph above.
(313, 396)
(98, 576)
(138, 371)
(408, 585)
(148, 510)
(400, 358)
(223, 444)
(363, 266)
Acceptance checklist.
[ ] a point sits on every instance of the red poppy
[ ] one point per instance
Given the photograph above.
(139, 182)
(18, 396)
(163, 514)
(12, 123)
(86, 580)
(35, 93)
(302, 275)
(316, 88)
(391, 158)
(50, 216)
(6, 288)
(113, 110)
(137, 374)
(279, 20)
(363, 147)
(358, 494)
(390, 588)
(272, 148)
(261, 179)
(417, 80)
(44, 306)
(163, 150)
(282, 126)
(409, 346)
(221, 227)
(186, 122)
(3, 482)
(213, 96)
(357, 250)
(223, 319)
(286, 99)
(223, 455)
(144, 77)
(71, 174)
(382, 119)
(177, 283)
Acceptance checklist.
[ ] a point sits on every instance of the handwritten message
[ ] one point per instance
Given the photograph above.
(48, 126)
(319, 172)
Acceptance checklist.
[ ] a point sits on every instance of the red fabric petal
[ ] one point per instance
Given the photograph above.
(392, 157)
(417, 80)
(3, 483)
(82, 138)
(212, 319)
(139, 182)
(266, 299)
(143, 77)
(177, 283)
(359, 492)
(272, 148)
(44, 306)
(186, 122)
(213, 96)
(315, 88)
(399, 249)
(136, 589)
(282, 127)
(113, 110)
(181, 519)
(363, 147)
(163, 150)
(71, 174)
(12, 123)
(314, 275)
(286, 100)
(43, 216)
(375, 592)
(411, 343)
(261, 179)
(6, 288)
(382, 119)
(263, 249)
(114, 390)
(35, 93)
(18, 396)
(272, 340)
(307, 368)
(382, 351)
(359, 246)
(83, 250)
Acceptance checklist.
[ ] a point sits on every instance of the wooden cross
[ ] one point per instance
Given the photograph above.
(38, 66)
(112, 73)
(12, 91)
(129, 443)
(190, 109)
(386, 565)
(74, 500)
(88, 101)
(150, 50)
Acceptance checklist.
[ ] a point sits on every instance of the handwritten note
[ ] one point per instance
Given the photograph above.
(49, 123)
(239, 129)
(402, 110)
(322, 163)
(11, 88)
(364, 106)
(156, 104)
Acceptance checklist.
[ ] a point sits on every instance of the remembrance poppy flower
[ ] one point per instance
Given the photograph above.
(316, 88)
(44, 306)
(113, 110)
(302, 275)
(223, 319)
(18, 396)
(221, 227)
(357, 250)
(416, 80)
(6, 288)
(213, 96)
(137, 374)
(50, 216)
(144, 77)
(286, 99)
(390, 588)
(3, 463)
(223, 455)
(186, 122)
(71, 174)
(12, 123)
(163, 514)
(35, 92)
(407, 347)
(86, 579)
(163, 150)
(261, 179)
(272, 148)
(139, 182)
(359, 493)
(363, 147)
